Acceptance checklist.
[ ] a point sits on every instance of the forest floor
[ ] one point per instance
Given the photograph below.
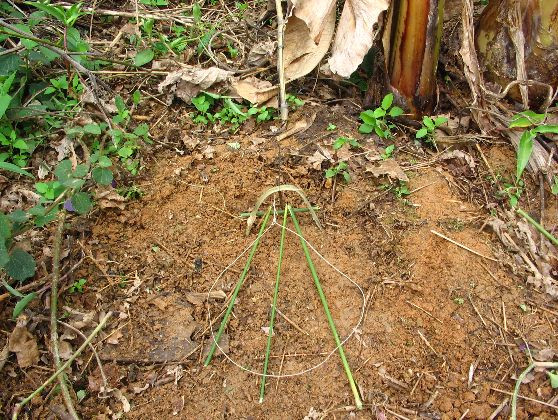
(436, 331)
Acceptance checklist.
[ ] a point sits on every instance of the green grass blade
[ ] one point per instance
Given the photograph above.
(538, 226)
(274, 305)
(348, 372)
(236, 290)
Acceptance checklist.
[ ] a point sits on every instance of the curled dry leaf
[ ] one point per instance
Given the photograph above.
(189, 81)
(256, 91)
(122, 398)
(199, 298)
(4, 356)
(304, 49)
(355, 34)
(388, 167)
(261, 53)
(23, 344)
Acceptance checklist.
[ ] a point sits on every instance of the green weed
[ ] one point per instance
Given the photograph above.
(340, 169)
(340, 141)
(376, 120)
(428, 128)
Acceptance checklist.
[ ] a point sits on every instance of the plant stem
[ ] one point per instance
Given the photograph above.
(537, 225)
(274, 305)
(348, 372)
(62, 368)
(520, 379)
(296, 210)
(284, 109)
(53, 310)
(225, 320)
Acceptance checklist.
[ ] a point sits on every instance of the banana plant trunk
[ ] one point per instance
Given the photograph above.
(518, 40)
(411, 41)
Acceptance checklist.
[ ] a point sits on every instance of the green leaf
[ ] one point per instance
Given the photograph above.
(346, 176)
(331, 172)
(5, 227)
(143, 57)
(22, 304)
(4, 256)
(526, 119)
(104, 162)
(14, 168)
(553, 376)
(136, 97)
(438, 121)
(82, 202)
(81, 170)
(421, 133)
(63, 170)
(21, 265)
(554, 187)
(80, 395)
(141, 130)
(543, 129)
(524, 152)
(427, 121)
(387, 101)
(18, 216)
(4, 103)
(365, 128)
(21, 144)
(120, 105)
(92, 129)
(338, 144)
(102, 176)
(196, 12)
(12, 291)
(368, 117)
(395, 112)
(379, 113)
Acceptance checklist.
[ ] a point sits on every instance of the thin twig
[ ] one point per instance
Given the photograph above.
(280, 63)
(463, 246)
(53, 312)
(62, 368)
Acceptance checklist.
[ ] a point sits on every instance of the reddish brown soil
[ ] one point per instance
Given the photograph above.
(443, 333)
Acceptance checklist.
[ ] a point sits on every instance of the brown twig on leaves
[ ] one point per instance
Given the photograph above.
(53, 311)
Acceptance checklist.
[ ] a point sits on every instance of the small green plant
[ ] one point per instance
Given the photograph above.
(554, 186)
(340, 169)
(428, 128)
(340, 141)
(230, 113)
(331, 127)
(77, 286)
(402, 190)
(132, 192)
(294, 102)
(388, 152)
(459, 301)
(376, 120)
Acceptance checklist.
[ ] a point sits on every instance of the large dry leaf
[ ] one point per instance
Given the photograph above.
(304, 48)
(355, 34)
(189, 81)
(315, 14)
(24, 345)
(388, 167)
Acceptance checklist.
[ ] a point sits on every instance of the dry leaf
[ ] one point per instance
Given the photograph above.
(458, 154)
(208, 152)
(316, 160)
(65, 350)
(261, 53)
(4, 356)
(23, 344)
(200, 298)
(110, 199)
(189, 81)
(301, 54)
(120, 396)
(388, 167)
(298, 127)
(355, 34)
(314, 13)
(115, 337)
(256, 91)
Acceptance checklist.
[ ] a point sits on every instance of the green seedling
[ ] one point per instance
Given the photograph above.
(23, 301)
(340, 141)
(554, 186)
(294, 102)
(340, 169)
(429, 126)
(331, 127)
(377, 120)
(77, 286)
(388, 152)
(402, 190)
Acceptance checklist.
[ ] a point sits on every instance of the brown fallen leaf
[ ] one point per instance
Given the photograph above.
(261, 53)
(256, 91)
(23, 344)
(189, 81)
(388, 167)
(355, 34)
(110, 199)
(316, 160)
(200, 298)
(298, 127)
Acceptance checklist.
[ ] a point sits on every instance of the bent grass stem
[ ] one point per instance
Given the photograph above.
(225, 320)
(312, 268)
(274, 305)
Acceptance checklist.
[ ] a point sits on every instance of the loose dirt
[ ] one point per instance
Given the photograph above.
(444, 332)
